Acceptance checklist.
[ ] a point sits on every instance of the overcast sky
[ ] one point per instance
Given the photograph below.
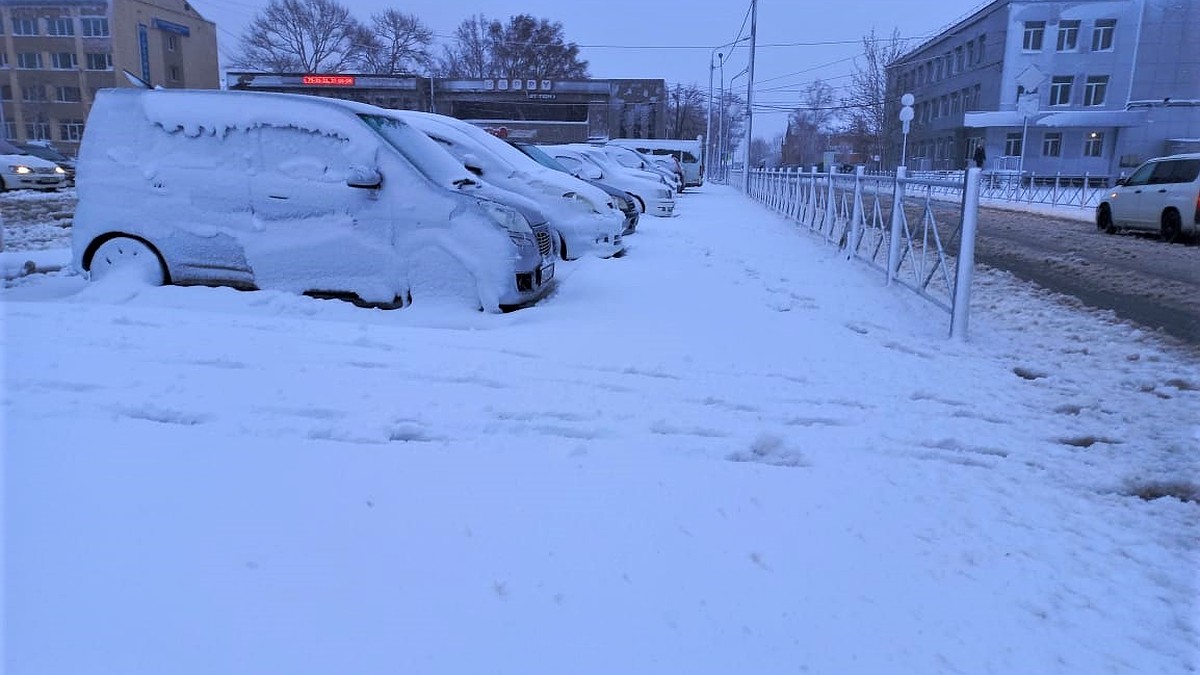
(674, 39)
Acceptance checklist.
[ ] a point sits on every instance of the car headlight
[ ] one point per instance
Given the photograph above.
(664, 194)
(60, 170)
(20, 168)
(510, 219)
(621, 202)
(583, 201)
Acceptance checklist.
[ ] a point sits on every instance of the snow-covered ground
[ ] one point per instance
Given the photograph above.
(729, 451)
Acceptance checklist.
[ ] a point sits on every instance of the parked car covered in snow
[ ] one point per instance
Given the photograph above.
(653, 195)
(303, 194)
(583, 217)
(624, 201)
(19, 169)
(632, 159)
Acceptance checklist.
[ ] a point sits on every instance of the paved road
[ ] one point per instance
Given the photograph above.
(1139, 278)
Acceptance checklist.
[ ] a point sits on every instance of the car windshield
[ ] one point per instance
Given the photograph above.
(7, 148)
(434, 163)
(538, 155)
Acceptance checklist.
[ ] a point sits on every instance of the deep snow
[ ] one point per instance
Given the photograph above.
(729, 451)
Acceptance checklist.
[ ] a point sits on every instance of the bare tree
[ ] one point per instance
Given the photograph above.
(871, 102)
(810, 126)
(686, 112)
(468, 55)
(525, 47)
(316, 36)
(397, 43)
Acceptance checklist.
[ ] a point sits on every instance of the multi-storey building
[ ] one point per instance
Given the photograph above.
(55, 55)
(548, 111)
(1056, 86)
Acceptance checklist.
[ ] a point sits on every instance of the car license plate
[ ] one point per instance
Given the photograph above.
(547, 272)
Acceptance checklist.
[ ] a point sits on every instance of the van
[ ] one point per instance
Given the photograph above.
(689, 153)
(298, 193)
(1162, 195)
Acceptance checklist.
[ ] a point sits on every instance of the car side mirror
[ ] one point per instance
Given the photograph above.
(363, 177)
(592, 173)
(472, 164)
(1120, 181)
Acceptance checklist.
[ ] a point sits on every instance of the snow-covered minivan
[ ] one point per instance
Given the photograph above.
(298, 193)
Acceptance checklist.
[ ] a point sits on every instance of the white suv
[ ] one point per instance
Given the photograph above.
(1162, 195)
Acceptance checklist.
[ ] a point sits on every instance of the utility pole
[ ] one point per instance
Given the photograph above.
(750, 94)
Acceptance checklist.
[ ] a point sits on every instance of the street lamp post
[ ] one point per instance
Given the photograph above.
(721, 59)
(750, 94)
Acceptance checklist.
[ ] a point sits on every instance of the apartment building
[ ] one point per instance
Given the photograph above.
(1056, 86)
(55, 55)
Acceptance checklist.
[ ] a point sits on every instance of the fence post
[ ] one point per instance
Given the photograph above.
(1084, 191)
(961, 310)
(856, 216)
(830, 207)
(893, 261)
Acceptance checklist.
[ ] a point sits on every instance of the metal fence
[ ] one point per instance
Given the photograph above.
(1083, 191)
(901, 225)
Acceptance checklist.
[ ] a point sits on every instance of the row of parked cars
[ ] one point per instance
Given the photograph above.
(37, 166)
(336, 198)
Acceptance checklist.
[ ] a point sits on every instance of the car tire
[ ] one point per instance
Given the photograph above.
(1172, 227)
(1104, 220)
(129, 257)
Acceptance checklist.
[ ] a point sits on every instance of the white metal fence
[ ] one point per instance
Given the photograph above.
(1083, 191)
(901, 225)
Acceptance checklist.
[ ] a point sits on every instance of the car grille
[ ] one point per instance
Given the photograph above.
(42, 169)
(543, 241)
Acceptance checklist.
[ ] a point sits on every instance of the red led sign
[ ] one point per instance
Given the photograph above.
(329, 80)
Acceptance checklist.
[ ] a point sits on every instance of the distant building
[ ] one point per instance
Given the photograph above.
(1056, 86)
(57, 53)
(547, 111)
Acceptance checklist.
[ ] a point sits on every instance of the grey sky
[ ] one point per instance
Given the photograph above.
(673, 39)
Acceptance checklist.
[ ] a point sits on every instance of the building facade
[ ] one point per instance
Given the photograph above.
(55, 55)
(1056, 86)
(545, 111)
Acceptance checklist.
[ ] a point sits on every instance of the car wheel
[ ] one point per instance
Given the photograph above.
(562, 247)
(130, 258)
(1172, 228)
(1104, 220)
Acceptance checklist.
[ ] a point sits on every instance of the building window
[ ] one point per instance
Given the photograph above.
(6, 93)
(10, 129)
(1093, 145)
(68, 95)
(70, 130)
(939, 65)
(977, 95)
(37, 131)
(955, 104)
(949, 59)
(1068, 36)
(64, 61)
(1012, 145)
(3, 58)
(1095, 89)
(945, 106)
(99, 61)
(1034, 31)
(60, 26)
(1102, 35)
(1060, 89)
(1052, 144)
(982, 39)
(174, 74)
(971, 53)
(959, 64)
(24, 26)
(29, 60)
(33, 93)
(172, 43)
(94, 26)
